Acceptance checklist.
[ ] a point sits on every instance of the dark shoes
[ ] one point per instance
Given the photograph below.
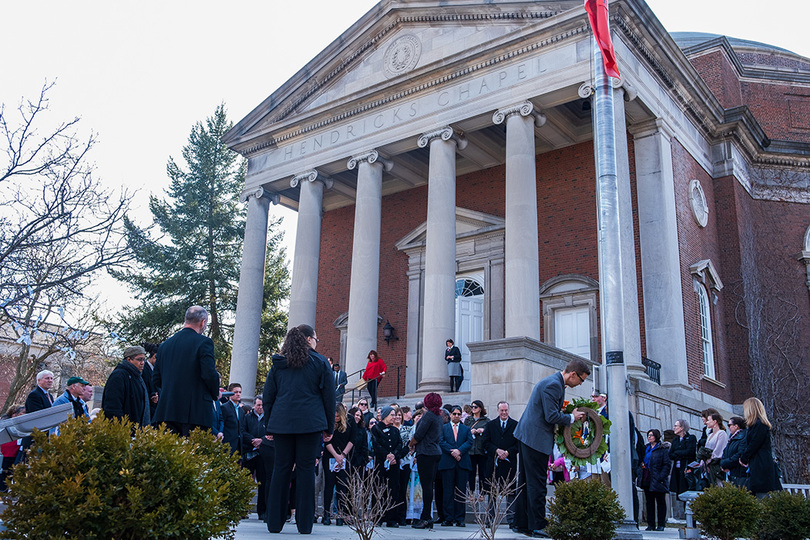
(520, 530)
(423, 524)
(326, 520)
(339, 522)
(540, 533)
(460, 524)
(660, 528)
(650, 528)
(393, 525)
(447, 523)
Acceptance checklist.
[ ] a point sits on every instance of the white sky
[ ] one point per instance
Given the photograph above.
(140, 74)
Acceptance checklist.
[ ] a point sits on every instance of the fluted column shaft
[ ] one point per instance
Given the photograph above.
(304, 287)
(245, 353)
(522, 288)
(365, 278)
(440, 258)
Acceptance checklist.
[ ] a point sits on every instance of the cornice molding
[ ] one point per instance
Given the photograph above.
(416, 89)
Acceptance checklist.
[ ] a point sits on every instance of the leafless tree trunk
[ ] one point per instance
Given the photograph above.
(365, 502)
(490, 512)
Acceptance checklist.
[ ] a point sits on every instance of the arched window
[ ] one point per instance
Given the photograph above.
(468, 287)
(706, 331)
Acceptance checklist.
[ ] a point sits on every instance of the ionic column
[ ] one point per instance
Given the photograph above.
(304, 287)
(660, 260)
(440, 257)
(365, 279)
(522, 316)
(245, 355)
(632, 333)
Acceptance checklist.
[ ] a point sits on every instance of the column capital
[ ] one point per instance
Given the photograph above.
(630, 91)
(445, 133)
(651, 127)
(523, 109)
(311, 176)
(258, 193)
(372, 156)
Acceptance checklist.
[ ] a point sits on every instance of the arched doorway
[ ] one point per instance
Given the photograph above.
(469, 320)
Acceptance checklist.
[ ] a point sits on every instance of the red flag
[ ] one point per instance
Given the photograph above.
(598, 15)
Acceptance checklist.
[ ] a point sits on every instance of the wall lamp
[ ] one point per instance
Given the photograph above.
(389, 333)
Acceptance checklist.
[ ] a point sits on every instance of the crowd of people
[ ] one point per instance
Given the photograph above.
(436, 450)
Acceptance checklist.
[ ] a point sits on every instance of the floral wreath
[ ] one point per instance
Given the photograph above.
(583, 442)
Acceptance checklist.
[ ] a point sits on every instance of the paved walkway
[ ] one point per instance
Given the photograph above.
(253, 529)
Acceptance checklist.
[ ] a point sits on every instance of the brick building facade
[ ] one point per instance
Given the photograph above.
(408, 135)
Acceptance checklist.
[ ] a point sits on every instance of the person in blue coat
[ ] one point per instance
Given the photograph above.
(299, 401)
(455, 466)
(655, 479)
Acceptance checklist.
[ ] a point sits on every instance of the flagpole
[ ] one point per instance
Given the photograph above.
(610, 286)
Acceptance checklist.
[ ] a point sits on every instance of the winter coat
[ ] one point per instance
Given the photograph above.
(387, 440)
(731, 455)
(659, 465)
(125, 395)
(478, 448)
(681, 453)
(758, 454)
(300, 400)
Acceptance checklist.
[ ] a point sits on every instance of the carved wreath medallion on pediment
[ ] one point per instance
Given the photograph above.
(402, 55)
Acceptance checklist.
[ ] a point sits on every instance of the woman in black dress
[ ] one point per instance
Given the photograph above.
(757, 456)
(336, 461)
(300, 380)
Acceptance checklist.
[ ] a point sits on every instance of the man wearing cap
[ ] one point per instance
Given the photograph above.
(125, 394)
(73, 394)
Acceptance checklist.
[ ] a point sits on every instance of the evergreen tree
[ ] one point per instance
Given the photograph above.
(195, 258)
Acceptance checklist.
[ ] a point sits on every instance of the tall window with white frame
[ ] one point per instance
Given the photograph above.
(706, 332)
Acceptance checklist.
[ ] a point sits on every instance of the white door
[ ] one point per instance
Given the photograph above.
(469, 322)
(572, 330)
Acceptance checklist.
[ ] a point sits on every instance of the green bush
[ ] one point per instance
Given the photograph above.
(584, 510)
(97, 481)
(726, 512)
(785, 516)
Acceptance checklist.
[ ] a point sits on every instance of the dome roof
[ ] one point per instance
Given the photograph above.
(686, 40)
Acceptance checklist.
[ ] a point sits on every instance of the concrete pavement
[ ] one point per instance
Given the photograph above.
(253, 529)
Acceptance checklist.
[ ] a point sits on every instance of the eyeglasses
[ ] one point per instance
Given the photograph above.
(455, 414)
(363, 404)
(139, 359)
(316, 339)
(581, 379)
(475, 406)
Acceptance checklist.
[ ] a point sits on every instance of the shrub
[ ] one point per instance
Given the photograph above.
(726, 512)
(584, 510)
(785, 516)
(97, 481)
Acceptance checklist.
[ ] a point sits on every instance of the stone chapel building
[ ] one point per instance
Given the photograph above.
(440, 156)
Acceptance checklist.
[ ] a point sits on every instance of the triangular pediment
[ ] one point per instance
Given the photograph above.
(468, 222)
(385, 53)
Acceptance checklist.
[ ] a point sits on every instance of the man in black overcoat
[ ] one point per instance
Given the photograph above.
(125, 394)
(185, 376)
(254, 426)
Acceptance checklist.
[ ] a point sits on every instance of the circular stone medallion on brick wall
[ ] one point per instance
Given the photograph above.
(697, 199)
(402, 55)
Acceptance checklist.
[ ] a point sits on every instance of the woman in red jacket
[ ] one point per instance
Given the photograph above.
(375, 370)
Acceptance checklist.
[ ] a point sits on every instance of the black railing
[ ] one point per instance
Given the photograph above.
(360, 392)
(653, 369)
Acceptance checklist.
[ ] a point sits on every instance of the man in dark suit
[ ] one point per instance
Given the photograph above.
(232, 414)
(253, 431)
(39, 398)
(151, 352)
(217, 423)
(502, 452)
(455, 465)
(186, 379)
(341, 380)
(535, 431)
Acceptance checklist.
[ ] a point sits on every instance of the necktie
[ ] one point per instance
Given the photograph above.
(236, 408)
(337, 375)
(455, 432)
(503, 425)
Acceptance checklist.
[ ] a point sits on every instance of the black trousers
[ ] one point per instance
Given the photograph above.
(256, 467)
(534, 476)
(653, 499)
(404, 481)
(333, 482)
(372, 392)
(455, 488)
(479, 468)
(267, 454)
(426, 466)
(299, 450)
(455, 383)
(391, 478)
